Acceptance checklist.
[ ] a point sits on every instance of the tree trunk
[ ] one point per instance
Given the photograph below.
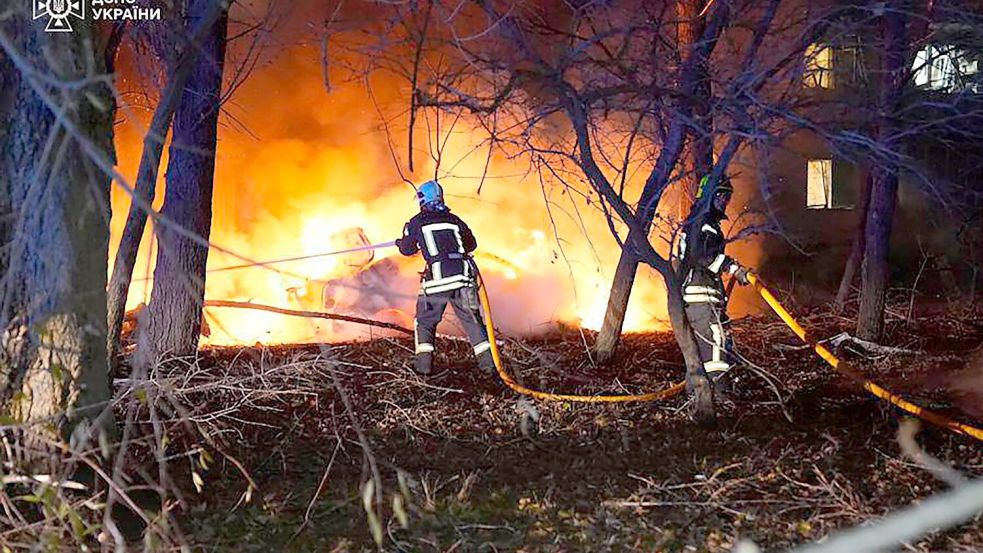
(173, 318)
(856, 249)
(53, 363)
(884, 189)
(9, 85)
(700, 151)
(144, 188)
(700, 154)
(870, 318)
(614, 315)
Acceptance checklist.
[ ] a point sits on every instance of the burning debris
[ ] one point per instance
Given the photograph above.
(380, 290)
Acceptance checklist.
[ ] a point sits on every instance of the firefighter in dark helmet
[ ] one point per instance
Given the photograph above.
(450, 276)
(703, 262)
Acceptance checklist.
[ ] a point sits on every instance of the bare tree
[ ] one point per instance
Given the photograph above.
(910, 127)
(178, 71)
(173, 320)
(690, 28)
(55, 240)
(884, 178)
(599, 96)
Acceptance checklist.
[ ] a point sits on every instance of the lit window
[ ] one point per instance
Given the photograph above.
(819, 66)
(944, 67)
(819, 184)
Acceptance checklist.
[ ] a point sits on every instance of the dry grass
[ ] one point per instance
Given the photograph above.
(468, 466)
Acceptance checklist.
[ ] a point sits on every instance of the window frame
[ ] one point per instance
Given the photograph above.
(825, 186)
(945, 67)
(819, 67)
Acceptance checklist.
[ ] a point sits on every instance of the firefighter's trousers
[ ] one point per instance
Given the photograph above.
(708, 317)
(430, 310)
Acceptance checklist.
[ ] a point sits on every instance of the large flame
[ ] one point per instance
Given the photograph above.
(301, 171)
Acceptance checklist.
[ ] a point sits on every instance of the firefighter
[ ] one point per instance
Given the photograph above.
(703, 262)
(450, 276)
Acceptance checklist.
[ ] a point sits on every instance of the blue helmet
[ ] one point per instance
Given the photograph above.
(430, 195)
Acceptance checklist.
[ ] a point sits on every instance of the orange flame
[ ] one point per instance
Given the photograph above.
(314, 173)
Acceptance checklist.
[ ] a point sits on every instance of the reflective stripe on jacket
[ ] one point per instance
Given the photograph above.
(701, 254)
(446, 243)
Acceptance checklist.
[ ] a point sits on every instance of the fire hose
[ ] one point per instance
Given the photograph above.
(845, 369)
(823, 352)
(364, 248)
(507, 379)
(786, 317)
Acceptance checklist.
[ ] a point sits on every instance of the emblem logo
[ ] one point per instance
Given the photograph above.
(59, 13)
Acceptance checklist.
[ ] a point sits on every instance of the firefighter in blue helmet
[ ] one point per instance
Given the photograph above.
(449, 278)
(703, 262)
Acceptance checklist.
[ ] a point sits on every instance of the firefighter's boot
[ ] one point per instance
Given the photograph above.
(703, 410)
(423, 363)
(722, 387)
(486, 362)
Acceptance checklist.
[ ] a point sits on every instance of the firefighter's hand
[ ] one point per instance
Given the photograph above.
(741, 275)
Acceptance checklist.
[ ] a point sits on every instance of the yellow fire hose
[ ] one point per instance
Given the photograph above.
(828, 356)
(511, 383)
(844, 368)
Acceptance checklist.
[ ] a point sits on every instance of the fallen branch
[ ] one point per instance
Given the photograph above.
(42, 479)
(844, 337)
(308, 314)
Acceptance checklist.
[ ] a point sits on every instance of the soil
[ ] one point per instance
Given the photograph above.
(474, 467)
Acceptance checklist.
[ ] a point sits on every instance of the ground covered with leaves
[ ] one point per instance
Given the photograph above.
(459, 463)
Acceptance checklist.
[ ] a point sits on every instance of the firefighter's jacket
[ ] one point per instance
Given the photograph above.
(703, 261)
(446, 243)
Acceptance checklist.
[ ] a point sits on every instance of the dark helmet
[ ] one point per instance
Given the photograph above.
(724, 186)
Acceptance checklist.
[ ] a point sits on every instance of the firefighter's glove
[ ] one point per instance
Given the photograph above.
(741, 275)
